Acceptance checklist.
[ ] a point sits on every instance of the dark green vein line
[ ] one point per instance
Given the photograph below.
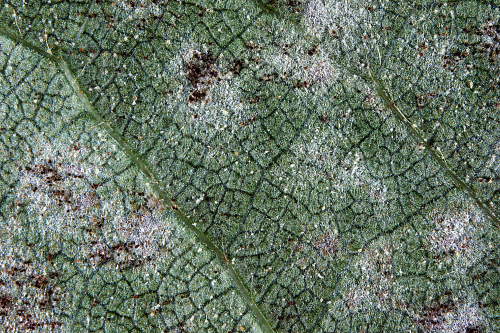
(155, 184)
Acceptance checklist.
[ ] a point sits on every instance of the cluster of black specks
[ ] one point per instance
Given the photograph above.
(181, 328)
(49, 178)
(492, 47)
(424, 99)
(296, 6)
(301, 84)
(47, 172)
(236, 67)
(433, 318)
(323, 118)
(288, 314)
(327, 245)
(252, 46)
(437, 318)
(254, 100)
(266, 78)
(450, 60)
(290, 6)
(5, 304)
(122, 254)
(249, 120)
(138, 245)
(145, 3)
(313, 51)
(201, 72)
(19, 314)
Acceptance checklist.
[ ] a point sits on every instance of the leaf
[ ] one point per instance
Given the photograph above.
(267, 166)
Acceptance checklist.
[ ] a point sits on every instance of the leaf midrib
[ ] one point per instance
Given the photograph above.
(184, 220)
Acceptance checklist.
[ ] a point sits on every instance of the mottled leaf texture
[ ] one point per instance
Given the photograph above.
(249, 166)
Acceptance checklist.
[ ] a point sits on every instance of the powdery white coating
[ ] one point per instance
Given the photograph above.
(223, 109)
(457, 236)
(327, 244)
(451, 319)
(311, 69)
(303, 65)
(57, 181)
(369, 281)
(60, 190)
(321, 158)
(466, 317)
(324, 15)
(146, 229)
(142, 8)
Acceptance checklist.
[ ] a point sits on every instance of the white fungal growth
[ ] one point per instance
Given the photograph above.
(61, 190)
(451, 318)
(146, 229)
(142, 8)
(222, 95)
(324, 15)
(301, 65)
(57, 181)
(322, 159)
(466, 318)
(457, 236)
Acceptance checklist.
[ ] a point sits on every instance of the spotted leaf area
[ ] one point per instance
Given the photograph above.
(249, 166)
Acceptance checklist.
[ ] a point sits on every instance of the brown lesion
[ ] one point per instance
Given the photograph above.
(201, 72)
(433, 318)
(40, 295)
(491, 48)
(437, 318)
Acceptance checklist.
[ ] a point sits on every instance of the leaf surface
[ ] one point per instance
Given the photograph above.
(230, 166)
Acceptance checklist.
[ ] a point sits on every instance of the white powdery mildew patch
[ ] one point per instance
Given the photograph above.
(141, 8)
(146, 229)
(451, 318)
(314, 70)
(56, 187)
(326, 15)
(223, 110)
(60, 190)
(457, 236)
(466, 318)
(369, 282)
(354, 298)
(320, 158)
(375, 276)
